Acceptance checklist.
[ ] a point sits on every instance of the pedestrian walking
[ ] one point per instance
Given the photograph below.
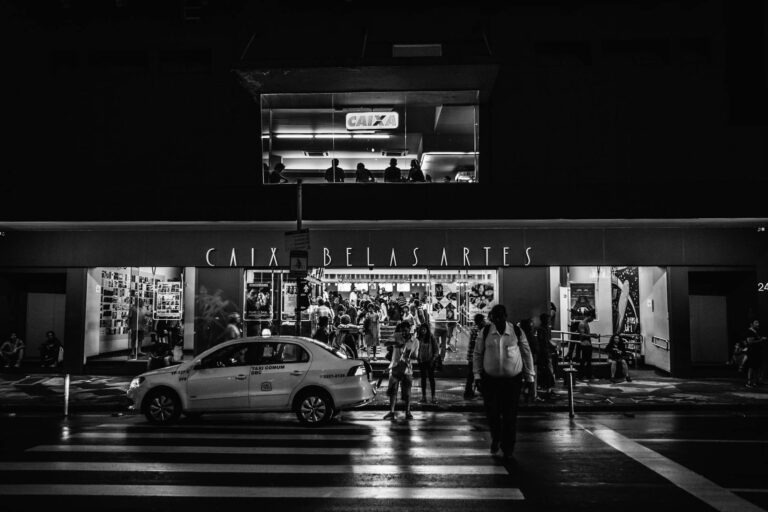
(371, 331)
(477, 327)
(754, 347)
(429, 351)
(585, 342)
(502, 359)
(401, 369)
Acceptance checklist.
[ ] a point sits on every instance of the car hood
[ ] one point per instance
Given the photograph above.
(166, 369)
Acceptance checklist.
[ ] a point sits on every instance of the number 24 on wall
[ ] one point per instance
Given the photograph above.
(762, 287)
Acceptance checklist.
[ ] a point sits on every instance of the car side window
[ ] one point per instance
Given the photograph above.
(281, 353)
(233, 355)
(294, 354)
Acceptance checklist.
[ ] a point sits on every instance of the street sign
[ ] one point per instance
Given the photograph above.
(297, 240)
(299, 261)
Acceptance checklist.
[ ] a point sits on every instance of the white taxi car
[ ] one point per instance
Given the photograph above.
(270, 374)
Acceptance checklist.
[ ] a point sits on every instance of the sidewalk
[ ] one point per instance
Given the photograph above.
(647, 391)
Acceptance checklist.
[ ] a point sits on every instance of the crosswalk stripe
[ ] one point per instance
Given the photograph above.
(361, 425)
(360, 493)
(377, 437)
(715, 441)
(416, 451)
(158, 467)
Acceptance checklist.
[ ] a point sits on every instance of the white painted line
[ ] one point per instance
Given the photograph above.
(673, 440)
(378, 437)
(358, 493)
(362, 426)
(416, 451)
(702, 488)
(160, 467)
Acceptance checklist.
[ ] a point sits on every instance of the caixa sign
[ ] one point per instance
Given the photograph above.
(372, 120)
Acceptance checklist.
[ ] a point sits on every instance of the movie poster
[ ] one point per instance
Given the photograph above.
(444, 302)
(625, 299)
(582, 301)
(482, 297)
(289, 300)
(258, 301)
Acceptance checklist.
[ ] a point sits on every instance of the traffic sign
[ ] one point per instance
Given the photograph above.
(297, 240)
(299, 262)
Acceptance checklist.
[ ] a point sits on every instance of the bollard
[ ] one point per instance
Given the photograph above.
(570, 371)
(66, 395)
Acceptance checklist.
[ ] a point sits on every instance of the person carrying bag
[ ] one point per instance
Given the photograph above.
(501, 360)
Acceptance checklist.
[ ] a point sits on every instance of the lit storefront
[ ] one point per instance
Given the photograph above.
(668, 284)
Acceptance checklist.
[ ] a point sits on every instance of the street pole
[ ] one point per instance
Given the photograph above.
(298, 228)
(66, 396)
(569, 372)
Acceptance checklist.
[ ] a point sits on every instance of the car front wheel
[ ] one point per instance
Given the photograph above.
(162, 407)
(314, 408)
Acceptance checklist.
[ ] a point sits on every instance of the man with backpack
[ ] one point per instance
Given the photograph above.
(501, 360)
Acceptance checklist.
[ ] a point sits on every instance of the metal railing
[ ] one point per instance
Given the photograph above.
(661, 343)
(563, 339)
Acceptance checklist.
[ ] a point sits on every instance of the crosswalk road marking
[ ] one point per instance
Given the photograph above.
(206, 491)
(416, 451)
(164, 467)
(367, 460)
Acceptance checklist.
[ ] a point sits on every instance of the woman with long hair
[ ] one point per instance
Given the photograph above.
(429, 352)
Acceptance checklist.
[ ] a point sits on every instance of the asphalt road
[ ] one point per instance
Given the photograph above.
(438, 461)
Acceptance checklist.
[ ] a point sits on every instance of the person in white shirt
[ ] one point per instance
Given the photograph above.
(501, 360)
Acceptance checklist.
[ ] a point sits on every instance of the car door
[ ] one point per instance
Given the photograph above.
(221, 380)
(282, 366)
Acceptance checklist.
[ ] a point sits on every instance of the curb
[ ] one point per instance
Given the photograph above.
(478, 408)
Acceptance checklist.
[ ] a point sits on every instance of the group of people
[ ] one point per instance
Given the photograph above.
(580, 347)
(501, 362)
(13, 349)
(335, 174)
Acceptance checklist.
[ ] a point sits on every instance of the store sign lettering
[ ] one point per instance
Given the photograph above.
(468, 259)
(376, 120)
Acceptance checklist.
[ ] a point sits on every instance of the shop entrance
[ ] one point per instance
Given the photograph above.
(448, 299)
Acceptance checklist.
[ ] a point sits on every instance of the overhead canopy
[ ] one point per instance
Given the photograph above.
(449, 77)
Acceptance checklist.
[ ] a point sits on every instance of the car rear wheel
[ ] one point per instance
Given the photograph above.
(162, 407)
(314, 407)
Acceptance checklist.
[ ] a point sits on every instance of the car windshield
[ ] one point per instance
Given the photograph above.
(336, 352)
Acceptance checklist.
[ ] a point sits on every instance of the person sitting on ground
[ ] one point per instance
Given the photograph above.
(617, 353)
(12, 351)
(50, 350)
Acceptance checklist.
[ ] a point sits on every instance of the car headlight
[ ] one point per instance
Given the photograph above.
(136, 383)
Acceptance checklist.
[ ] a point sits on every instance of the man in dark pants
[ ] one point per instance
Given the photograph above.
(479, 323)
(502, 360)
(585, 355)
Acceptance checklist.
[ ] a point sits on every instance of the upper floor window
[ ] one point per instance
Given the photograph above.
(370, 137)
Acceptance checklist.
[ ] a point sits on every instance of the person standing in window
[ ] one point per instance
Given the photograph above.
(334, 174)
(392, 173)
(363, 175)
(415, 174)
(276, 176)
